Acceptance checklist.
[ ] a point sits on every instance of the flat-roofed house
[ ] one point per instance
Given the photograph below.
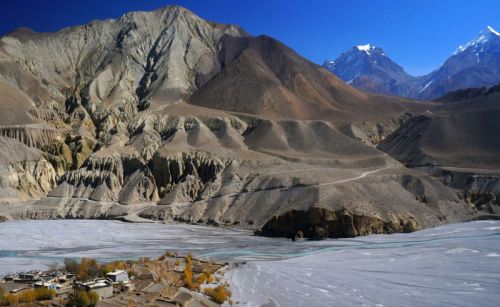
(48, 285)
(29, 276)
(118, 276)
(103, 287)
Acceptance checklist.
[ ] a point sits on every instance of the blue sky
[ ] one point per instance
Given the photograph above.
(417, 34)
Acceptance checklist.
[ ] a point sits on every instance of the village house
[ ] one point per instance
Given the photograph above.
(118, 276)
(56, 274)
(30, 276)
(103, 287)
(48, 285)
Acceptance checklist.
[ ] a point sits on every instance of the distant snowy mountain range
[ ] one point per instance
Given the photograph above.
(474, 64)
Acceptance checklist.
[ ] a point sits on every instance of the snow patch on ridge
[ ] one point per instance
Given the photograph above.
(366, 48)
(493, 31)
(426, 86)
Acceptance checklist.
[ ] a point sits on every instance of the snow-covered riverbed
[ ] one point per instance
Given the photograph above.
(450, 265)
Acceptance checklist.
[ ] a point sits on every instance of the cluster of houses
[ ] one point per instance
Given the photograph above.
(65, 283)
(55, 280)
(105, 286)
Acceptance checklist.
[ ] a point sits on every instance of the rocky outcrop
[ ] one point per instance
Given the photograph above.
(24, 172)
(479, 187)
(373, 133)
(110, 178)
(457, 143)
(69, 154)
(319, 223)
(191, 172)
(128, 179)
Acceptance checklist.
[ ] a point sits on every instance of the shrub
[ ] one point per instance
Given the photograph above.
(107, 268)
(93, 298)
(219, 294)
(3, 301)
(43, 294)
(26, 296)
(201, 279)
(120, 265)
(78, 299)
(210, 276)
(188, 274)
(10, 300)
(132, 273)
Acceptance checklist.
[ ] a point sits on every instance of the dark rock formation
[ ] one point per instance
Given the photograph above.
(320, 223)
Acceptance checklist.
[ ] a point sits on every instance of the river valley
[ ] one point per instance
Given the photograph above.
(456, 264)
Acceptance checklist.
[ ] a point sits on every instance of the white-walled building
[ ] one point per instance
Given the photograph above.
(118, 276)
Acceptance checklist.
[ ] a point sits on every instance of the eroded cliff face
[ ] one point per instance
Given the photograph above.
(480, 188)
(31, 135)
(24, 172)
(195, 169)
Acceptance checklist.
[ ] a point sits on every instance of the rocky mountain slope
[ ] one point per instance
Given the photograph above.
(474, 64)
(162, 115)
(457, 142)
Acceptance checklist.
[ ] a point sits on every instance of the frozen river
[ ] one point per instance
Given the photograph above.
(449, 265)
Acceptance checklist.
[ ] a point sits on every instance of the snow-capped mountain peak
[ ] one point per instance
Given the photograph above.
(369, 49)
(474, 64)
(483, 38)
(368, 65)
(366, 48)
